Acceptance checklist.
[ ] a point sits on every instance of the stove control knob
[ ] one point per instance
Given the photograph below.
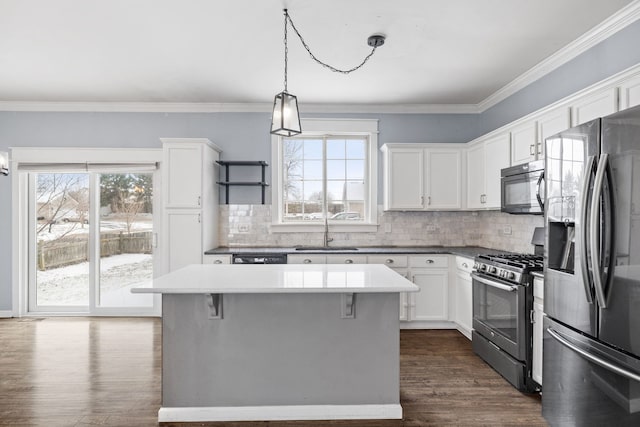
(483, 267)
(512, 276)
(493, 270)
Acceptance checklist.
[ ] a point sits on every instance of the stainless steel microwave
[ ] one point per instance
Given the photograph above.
(522, 189)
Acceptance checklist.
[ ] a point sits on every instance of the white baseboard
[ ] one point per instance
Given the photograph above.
(6, 313)
(441, 324)
(280, 413)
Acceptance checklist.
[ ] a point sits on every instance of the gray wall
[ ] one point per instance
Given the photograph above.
(245, 135)
(615, 54)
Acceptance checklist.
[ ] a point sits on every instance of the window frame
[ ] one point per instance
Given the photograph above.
(328, 128)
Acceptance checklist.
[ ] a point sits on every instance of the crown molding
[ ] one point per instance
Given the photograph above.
(616, 22)
(136, 107)
(203, 107)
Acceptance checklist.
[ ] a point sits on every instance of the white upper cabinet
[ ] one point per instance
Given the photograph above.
(524, 143)
(550, 124)
(591, 107)
(417, 177)
(630, 93)
(444, 186)
(475, 176)
(485, 160)
(183, 175)
(403, 178)
(497, 155)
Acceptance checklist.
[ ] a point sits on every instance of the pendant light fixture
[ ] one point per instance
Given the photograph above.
(4, 163)
(285, 120)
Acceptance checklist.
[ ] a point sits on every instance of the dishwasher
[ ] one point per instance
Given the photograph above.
(259, 259)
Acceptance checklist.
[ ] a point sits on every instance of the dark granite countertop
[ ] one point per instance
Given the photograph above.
(466, 251)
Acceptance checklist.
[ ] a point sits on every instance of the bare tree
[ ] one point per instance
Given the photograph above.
(55, 201)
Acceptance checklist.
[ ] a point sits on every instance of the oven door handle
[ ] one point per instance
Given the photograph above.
(493, 284)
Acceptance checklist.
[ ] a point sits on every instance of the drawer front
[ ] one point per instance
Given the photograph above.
(429, 261)
(464, 264)
(393, 261)
(306, 259)
(216, 259)
(346, 259)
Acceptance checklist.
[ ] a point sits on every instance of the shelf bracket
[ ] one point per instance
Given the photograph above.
(348, 304)
(214, 301)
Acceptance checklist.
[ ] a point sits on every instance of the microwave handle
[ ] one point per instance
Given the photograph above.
(540, 201)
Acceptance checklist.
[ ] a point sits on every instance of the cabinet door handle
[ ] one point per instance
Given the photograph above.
(421, 200)
(199, 219)
(429, 200)
(217, 261)
(306, 261)
(199, 200)
(539, 147)
(348, 261)
(464, 264)
(389, 261)
(430, 261)
(532, 150)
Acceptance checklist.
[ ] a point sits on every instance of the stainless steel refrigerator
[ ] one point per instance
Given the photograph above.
(591, 349)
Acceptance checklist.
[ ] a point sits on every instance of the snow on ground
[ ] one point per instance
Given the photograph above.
(70, 285)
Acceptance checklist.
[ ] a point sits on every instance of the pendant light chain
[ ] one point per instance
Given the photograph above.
(286, 50)
(287, 17)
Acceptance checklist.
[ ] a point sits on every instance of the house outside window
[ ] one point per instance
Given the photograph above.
(328, 172)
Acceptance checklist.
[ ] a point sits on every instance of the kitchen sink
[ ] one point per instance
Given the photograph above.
(322, 248)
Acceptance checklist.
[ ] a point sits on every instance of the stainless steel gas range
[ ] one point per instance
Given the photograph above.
(502, 315)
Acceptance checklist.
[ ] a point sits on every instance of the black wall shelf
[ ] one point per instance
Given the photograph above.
(227, 183)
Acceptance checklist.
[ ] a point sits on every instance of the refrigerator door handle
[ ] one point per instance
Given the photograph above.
(592, 357)
(594, 241)
(584, 259)
(540, 201)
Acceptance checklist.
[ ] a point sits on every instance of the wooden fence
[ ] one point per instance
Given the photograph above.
(73, 249)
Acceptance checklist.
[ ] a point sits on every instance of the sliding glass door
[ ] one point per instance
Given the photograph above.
(91, 240)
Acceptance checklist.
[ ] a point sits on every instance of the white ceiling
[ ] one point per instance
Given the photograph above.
(231, 51)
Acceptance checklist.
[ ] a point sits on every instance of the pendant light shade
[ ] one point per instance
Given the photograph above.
(285, 120)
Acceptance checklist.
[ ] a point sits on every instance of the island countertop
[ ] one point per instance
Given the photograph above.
(279, 278)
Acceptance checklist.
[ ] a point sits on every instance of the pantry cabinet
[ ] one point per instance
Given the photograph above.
(485, 160)
(190, 200)
(422, 177)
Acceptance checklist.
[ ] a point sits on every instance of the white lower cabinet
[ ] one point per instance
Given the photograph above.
(306, 259)
(432, 302)
(216, 259)
(464, 296)
(184, 237)
(538, 315)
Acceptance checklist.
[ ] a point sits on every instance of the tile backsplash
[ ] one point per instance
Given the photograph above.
(250, 225)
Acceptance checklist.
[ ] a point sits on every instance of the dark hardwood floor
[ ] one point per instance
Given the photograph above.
(106, 372)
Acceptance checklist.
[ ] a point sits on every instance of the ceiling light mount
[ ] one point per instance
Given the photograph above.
(376, 40)
(285, 120)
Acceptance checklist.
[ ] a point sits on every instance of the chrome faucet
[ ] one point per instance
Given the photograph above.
(327, 239)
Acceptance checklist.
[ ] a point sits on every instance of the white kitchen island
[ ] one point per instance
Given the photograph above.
(280, 342)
